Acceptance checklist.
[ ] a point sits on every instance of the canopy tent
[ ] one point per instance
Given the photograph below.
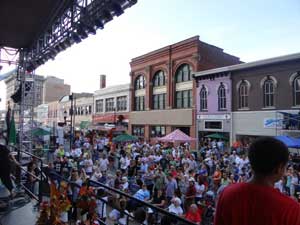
(290, 142)
(176, 136)
(125, 138)
(40, 132)
(217, 136)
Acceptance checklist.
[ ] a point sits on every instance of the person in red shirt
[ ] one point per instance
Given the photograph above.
(257, 202)
(194, 214)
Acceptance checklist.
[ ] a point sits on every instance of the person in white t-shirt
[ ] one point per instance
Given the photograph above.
(101, 204)
(103, 163)
(88, 165)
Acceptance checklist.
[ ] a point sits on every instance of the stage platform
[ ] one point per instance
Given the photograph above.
(27, 214)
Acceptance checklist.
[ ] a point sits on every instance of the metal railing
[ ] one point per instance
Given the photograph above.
(39, 178)
(158, 214)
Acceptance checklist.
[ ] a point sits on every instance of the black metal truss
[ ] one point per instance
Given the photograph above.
(81, 18)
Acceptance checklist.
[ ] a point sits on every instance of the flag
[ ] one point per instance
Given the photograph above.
(7, 121)
(12, 136)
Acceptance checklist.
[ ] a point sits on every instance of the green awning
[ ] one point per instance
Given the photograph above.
(125, 138)
(40, 132)
(84, 124)
(217, 136)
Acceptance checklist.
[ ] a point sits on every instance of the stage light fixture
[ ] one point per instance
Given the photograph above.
(98, 24)
(90, 29)
(81, 32)
(117, 9)
(106, 16)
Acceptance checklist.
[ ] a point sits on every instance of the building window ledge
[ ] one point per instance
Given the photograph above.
(268, 108)
(295, 107)
(244, 109)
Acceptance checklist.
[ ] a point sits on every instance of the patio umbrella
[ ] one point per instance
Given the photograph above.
(40, 132)
(217, 136)
(290, 142)
(124, 138)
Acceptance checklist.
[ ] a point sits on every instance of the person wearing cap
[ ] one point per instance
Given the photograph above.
(257, 201)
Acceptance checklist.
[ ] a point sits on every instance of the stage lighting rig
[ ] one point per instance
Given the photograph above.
(80, 19)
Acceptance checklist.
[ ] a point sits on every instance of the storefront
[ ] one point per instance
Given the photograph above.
(214, 124)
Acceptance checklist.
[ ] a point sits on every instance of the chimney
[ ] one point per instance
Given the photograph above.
(102, 81)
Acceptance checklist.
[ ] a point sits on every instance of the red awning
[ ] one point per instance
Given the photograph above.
(111, 118)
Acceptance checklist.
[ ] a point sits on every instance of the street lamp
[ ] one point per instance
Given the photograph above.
(65, 117)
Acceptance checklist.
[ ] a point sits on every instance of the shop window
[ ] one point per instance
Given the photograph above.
(158, 131)
(138, 131)
(213, 125)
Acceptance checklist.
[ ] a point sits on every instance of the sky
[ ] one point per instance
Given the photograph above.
(251, 30)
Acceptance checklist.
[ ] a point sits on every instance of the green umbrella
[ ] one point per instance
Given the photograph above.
(124, 138)
(84, 124)
(40, 132)
(217, 136)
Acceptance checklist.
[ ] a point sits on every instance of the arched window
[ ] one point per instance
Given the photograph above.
(140, 82)
(243, 95)
(203, 98)
(159, 79)
(222, 97)
(268, 93)
(296, 90)
(183, 73)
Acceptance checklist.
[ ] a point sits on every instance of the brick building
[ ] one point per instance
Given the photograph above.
(162, 88)
(264, 99)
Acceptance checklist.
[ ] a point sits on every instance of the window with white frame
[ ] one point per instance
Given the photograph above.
(296, 90)
(99, 106)
(122, 103)
(109, 105)
(222, 97)
(203, 98)
(269, 91)
(243, 95)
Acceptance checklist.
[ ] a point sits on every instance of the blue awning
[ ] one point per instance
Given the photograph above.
(290, 142)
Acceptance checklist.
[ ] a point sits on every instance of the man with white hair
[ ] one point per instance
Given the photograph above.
(175, 207)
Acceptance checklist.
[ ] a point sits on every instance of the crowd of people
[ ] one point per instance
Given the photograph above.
(182, 181)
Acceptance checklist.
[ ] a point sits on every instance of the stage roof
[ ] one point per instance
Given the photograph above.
(21, 21)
